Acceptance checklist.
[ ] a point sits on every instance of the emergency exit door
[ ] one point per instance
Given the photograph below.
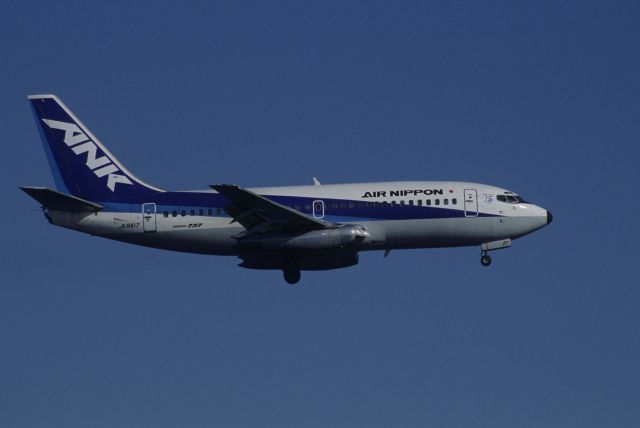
(470, 203)
(318, 208)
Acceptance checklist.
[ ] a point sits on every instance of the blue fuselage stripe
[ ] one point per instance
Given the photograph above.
(339, 210)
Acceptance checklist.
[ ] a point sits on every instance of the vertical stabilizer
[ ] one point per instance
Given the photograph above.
(81, 165)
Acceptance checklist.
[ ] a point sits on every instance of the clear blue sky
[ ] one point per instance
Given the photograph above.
(539, 97)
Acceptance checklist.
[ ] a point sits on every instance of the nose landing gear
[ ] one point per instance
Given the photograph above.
(485, 259)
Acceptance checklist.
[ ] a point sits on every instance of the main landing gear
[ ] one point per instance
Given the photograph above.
(292, 276)
(291, 271)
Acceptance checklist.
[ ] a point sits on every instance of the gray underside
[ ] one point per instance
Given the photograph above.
(395, 234)
(306, 250)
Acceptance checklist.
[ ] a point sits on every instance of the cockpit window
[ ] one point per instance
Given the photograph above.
(511, 199)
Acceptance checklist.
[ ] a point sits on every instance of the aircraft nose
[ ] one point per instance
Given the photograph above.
(549, 217)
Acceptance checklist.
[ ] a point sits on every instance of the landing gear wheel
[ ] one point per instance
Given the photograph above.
(292, 276)
(485, 260)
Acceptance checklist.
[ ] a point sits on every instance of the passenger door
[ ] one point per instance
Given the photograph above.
(149, 217)
(470, 203)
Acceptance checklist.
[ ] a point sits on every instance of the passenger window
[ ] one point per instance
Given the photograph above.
(454, 201)
(429, 202)
(193, 212)
(183, 213)
(437, 201)
(446, 201)
(174, 213)
(165, 214)
(200, 212)
(402, 202)
(419, 202)
(393, 203)
(218, 211)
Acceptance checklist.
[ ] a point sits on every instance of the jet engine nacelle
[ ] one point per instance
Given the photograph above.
(342, 237)
(347, 236)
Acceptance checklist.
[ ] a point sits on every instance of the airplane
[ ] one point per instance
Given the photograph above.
(293, 228)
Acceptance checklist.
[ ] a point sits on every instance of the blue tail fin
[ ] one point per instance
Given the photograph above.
(81, 165)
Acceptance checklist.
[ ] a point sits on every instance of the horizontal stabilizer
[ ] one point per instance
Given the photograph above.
(57, 201)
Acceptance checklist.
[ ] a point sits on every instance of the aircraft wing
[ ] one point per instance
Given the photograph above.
(259, 214)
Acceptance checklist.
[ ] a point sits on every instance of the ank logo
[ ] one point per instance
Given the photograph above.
(79, 143)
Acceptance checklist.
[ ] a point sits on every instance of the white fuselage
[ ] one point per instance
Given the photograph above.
(395, 215)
